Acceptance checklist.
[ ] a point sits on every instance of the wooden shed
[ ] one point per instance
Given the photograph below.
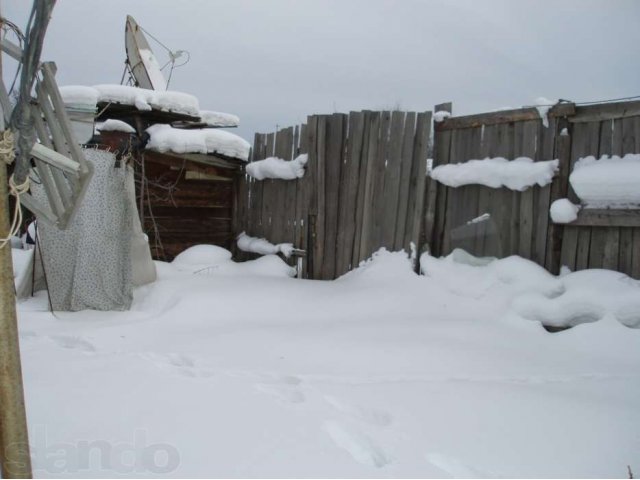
(183, 199)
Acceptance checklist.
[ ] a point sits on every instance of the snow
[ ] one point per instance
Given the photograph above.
(112, 125)
(518, 174)
(79, 95)
(610, 181)
(164, 138)
(563, 211)
(219, 119)
(142, 99)
(278, 168)
(152, 67)
(543, 105)
(202, 255)
(381, 373)
(262, 246)
(441, 116)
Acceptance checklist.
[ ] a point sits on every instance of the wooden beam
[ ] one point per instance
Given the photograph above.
(596, 217)
(503, 116)
(606, 111)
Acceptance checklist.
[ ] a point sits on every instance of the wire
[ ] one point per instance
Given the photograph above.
(593, 102)
(173, 56)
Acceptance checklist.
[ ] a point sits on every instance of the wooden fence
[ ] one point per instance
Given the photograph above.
(598, 239)
(363, 188)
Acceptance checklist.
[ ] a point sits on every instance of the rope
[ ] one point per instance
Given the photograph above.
(593, 102)
(7, 155)
(16, 191)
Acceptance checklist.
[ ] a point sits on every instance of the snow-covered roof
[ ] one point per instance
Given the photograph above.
(164, 138)
(141, 98)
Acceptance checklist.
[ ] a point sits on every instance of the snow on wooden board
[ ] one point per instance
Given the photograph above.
(240, 371)
(164, 138)
(141, 98)
(518, 174)
(278, 168)
(219, 119)
(610, 181)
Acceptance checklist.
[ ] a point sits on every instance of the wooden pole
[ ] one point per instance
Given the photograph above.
(15, 461)
(14, 441)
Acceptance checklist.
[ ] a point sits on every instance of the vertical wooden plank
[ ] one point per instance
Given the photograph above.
(635, 262)
(629, 142)
(333, 165)
(391, 192)
(405, 180)
(486, 204)
(368, 211)
(441, 154)
(590, 146)
(503, 197)
(310, 182)
(559, 189)
(319, 246)
(528, 149)
(361, 205)
(349, 193)
(268, 193)
(381, 169)
(256, 189)
(416, 206)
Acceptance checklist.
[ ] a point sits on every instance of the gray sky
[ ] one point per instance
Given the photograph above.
(273, 62)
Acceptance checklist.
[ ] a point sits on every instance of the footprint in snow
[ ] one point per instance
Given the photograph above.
(284, 388)
(178, 363)
(74, 343)
(371, 416)
(361, 448)
(456, 468)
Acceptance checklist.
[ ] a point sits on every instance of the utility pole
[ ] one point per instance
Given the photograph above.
(14, 439)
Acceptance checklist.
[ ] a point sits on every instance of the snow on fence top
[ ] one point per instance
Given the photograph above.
(607, 182)
(164, 138)
(262, 246)
(518, 174)
(278, 168)
(219, 119)
(141, 98)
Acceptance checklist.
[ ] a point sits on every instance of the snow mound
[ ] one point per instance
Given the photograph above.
(518, 174)
(262, 246)
(382, 265)
(219, 119)
(266, 266)
(466, 275)
(278, 168)
(164, 138)
(202, 255)
(112, 125)
(563, 211)
(589, 296)
(608, 181)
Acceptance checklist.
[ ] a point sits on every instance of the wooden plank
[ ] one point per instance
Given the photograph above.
(319, 246)
(527, 216)
(605, 111)
(488, 146)
(268, 192)
(542, 199)
(349, 193)
(416, 206)
(635, 264)
(256, 189)
(310, 191)
(381, 170)
(362, 181)
(391, 192)
(403, 187)
(503, 196)
(336, 129)
(370, 173)
(628, 135)
(442, 152)
(503, 116)
(595, 217)
(625, 258)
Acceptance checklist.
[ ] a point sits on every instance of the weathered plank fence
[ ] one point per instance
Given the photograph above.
(363, 188)
(366, 187)
(598, 239)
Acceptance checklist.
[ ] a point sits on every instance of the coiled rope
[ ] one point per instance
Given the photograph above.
(7, 154)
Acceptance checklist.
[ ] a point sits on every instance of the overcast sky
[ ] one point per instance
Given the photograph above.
(273, 62)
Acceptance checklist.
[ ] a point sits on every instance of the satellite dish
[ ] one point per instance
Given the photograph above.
(143, 63)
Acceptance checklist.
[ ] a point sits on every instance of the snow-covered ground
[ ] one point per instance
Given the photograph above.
(241, 370)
